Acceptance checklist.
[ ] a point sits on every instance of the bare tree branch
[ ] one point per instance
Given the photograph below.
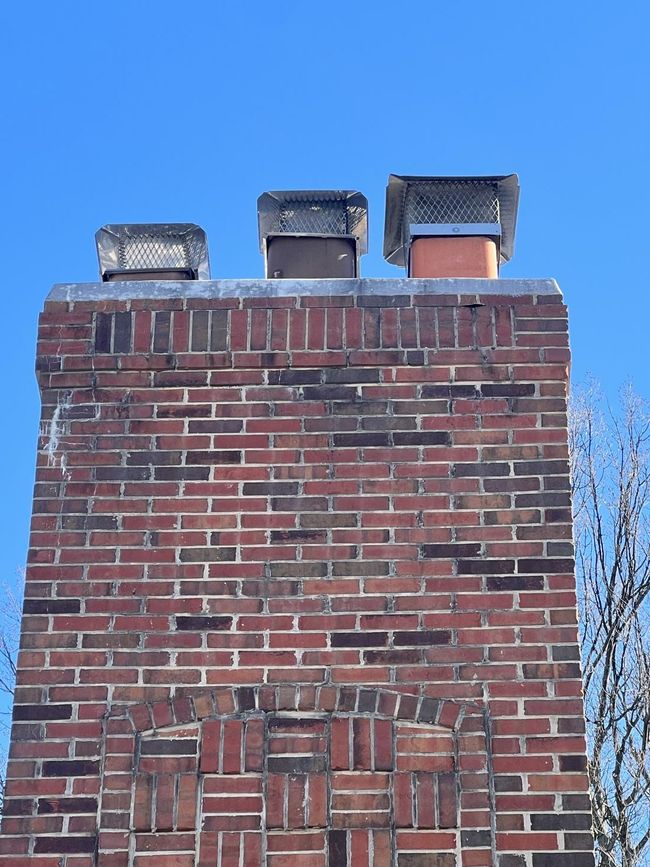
(610, 455)
(11, 596)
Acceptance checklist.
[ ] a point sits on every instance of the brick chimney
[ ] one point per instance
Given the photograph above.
(300, 585)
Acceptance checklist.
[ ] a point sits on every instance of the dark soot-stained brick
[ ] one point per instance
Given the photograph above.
(72, 768)
(52, 606)
(338, 851)
(422, 637)
(452, 550)
(67, 844)
(200, 622)
(42, 711)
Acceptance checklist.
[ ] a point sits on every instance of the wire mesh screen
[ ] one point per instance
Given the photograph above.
(326, 217)
(157, 251)
(457, 202)
(329, 218)
(330, 213)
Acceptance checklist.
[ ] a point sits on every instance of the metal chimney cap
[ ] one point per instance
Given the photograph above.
(314, 212)
(451, 201)
(124, 248)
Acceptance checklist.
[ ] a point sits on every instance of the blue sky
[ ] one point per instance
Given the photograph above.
(159, 111)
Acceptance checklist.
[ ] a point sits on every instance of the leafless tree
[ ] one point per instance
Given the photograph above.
(610, 451)
(11, 594)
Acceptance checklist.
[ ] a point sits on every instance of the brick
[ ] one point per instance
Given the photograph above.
(359, 639)
(65, 844)
(78, 768)
(545, 564)
(205, 555)
(213, 457)
(475, 838)
(338, 851)
(407, 859)
(296, 764)
(484, 469)
(447, 800)
(422, 637)
(186, 802)
(578, 841)
(514, 582)
(559, 859)
(65, 805)
(122, 332)
(103, 332)
(561, 822)
(452, 550)
(422, 438)
(42, 712)
(165, 747)
(203, 622)
(573, 763)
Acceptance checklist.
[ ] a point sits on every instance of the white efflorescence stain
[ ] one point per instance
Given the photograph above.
(54, 431)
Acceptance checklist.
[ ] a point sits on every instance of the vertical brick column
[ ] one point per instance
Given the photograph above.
(281, 544)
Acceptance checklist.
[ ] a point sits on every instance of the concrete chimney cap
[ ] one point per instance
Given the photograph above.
(314, 212)
(449, 200)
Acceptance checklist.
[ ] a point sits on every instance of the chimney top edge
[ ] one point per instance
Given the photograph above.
(251, 288)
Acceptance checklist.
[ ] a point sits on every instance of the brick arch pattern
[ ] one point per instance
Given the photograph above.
(298, 775)
(309, 699)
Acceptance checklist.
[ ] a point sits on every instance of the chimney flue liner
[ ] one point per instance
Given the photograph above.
(450, 207)
(152, 251)
(312, 233)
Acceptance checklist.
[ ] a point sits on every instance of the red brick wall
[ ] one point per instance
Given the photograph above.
(300, 588)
